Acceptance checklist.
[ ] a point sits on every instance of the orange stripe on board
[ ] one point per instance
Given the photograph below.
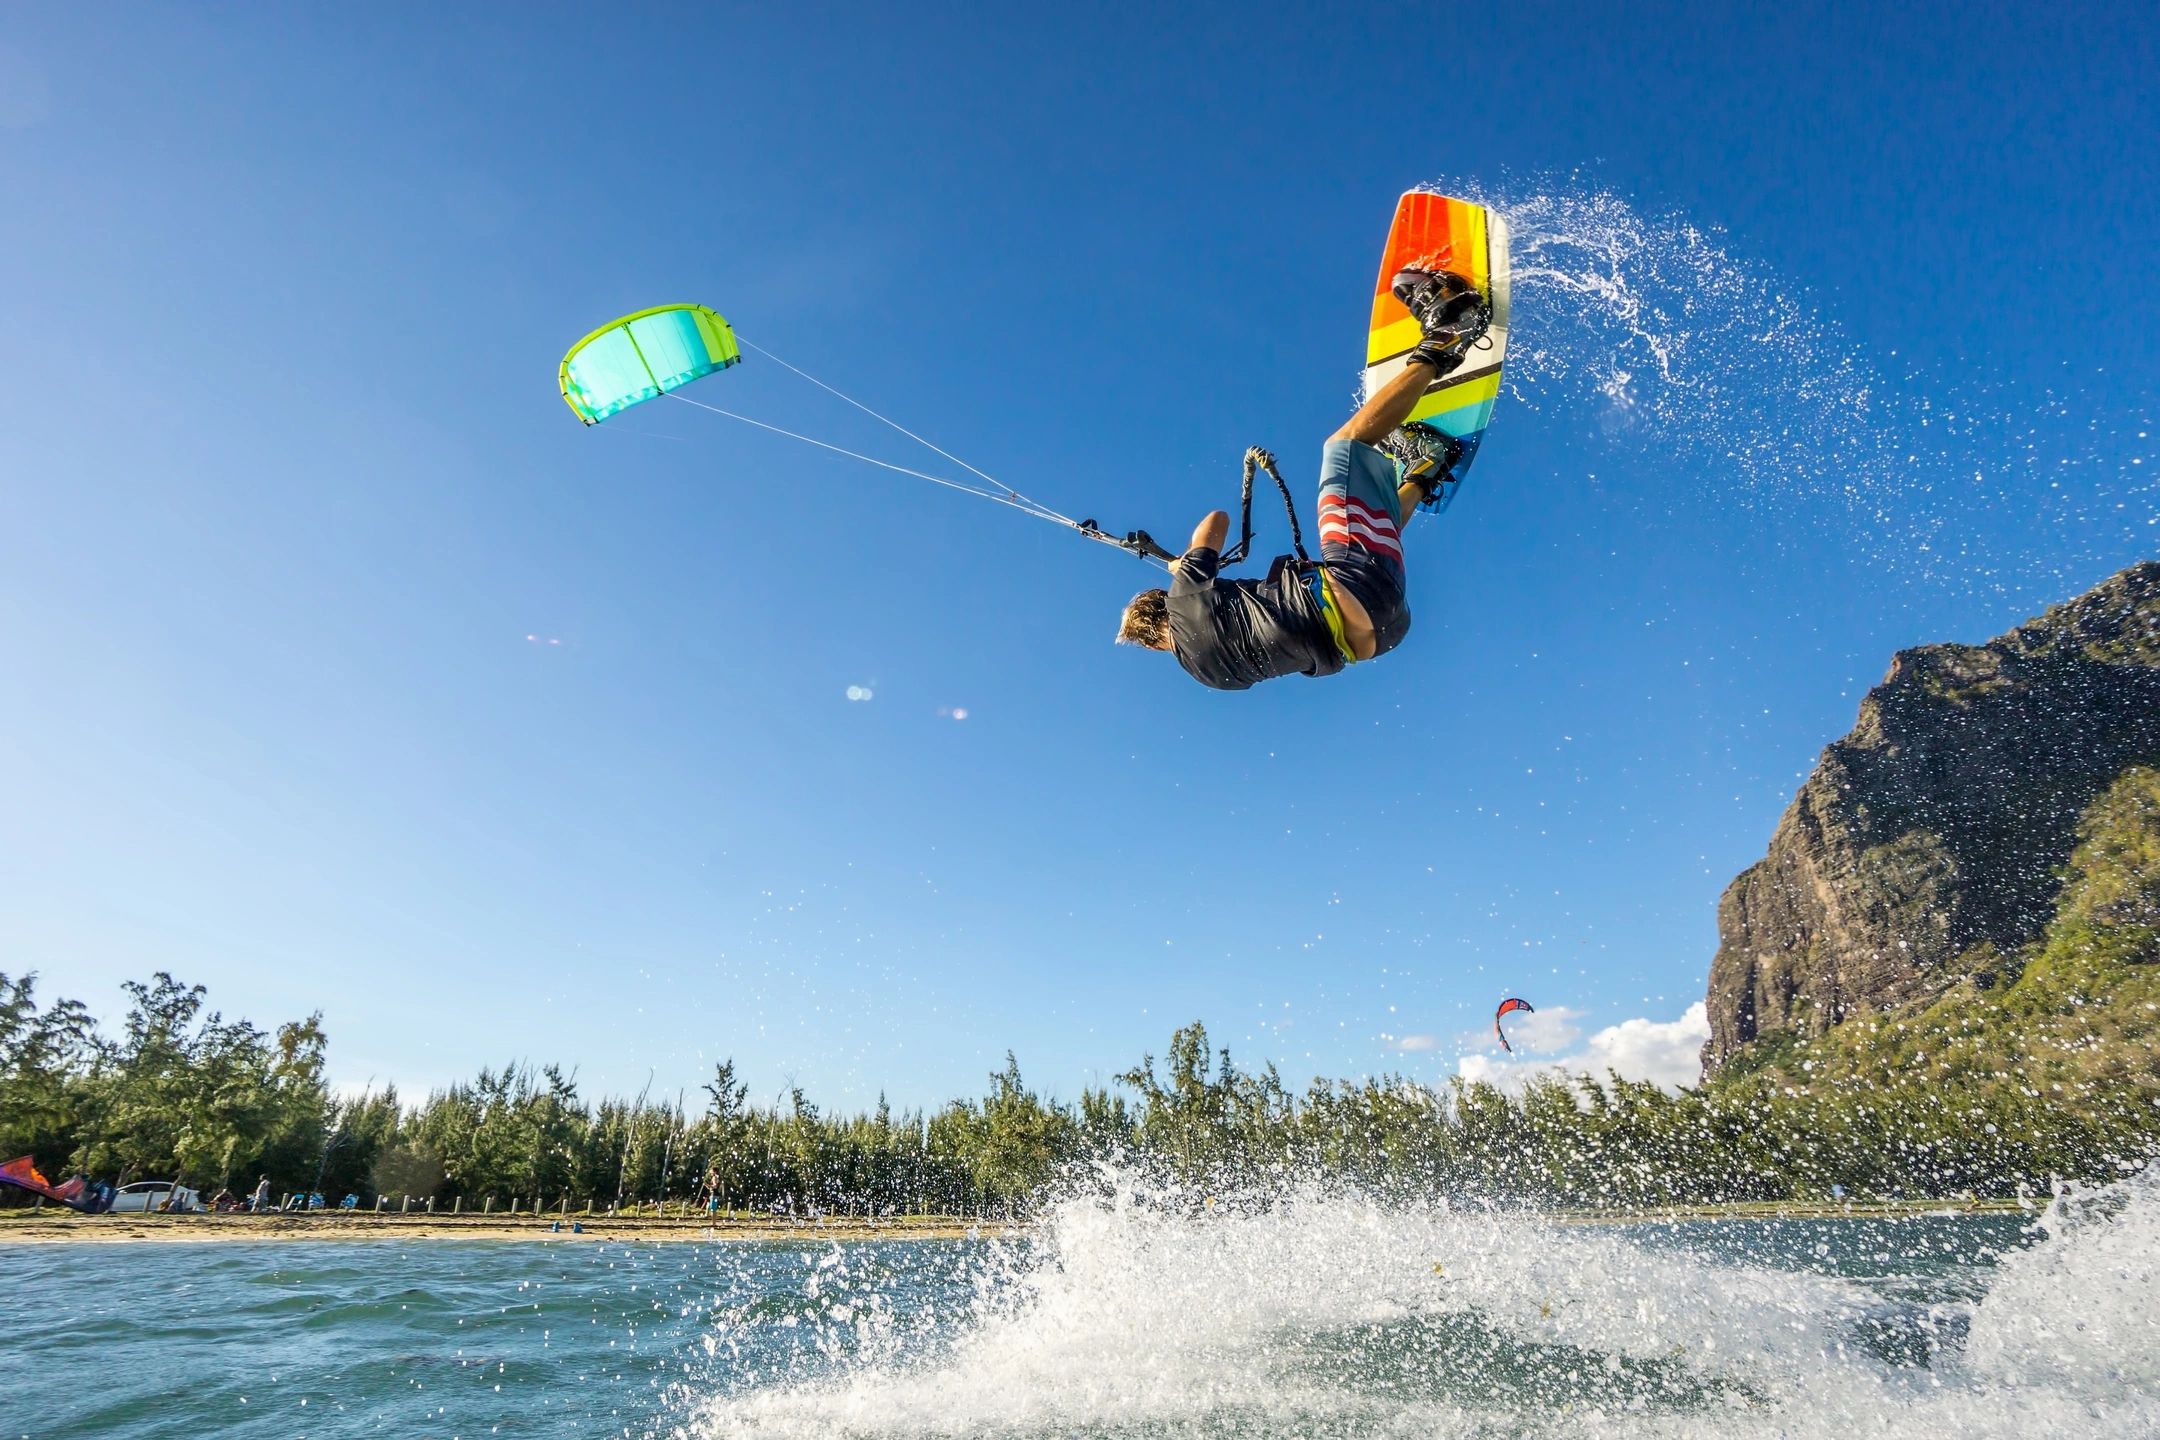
(1432, 232)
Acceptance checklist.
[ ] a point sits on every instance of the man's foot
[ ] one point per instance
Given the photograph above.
(1450, 312)
(1428, 456)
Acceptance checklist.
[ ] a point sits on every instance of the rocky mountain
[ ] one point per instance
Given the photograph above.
(1934, 844)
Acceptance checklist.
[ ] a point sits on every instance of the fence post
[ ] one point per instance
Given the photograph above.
(487, 1205)
(405, 1205)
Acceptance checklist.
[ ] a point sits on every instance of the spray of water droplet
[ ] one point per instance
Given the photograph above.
(1139, 1309)
(1656, 336)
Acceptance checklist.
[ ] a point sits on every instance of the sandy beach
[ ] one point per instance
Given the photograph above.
(55, 1226)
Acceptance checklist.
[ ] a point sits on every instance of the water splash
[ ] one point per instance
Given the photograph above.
(2082, 1312)
(1321, 1313)
(1713, 372)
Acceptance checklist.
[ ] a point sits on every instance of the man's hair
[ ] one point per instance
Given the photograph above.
(1147, 621)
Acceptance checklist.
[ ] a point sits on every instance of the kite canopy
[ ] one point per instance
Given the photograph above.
(643, 356)
(92, 1197)
(1508, 1007)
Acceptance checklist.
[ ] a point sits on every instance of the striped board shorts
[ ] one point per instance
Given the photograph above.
(1361, 540)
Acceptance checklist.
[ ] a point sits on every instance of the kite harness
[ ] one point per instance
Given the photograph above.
(1257, 458)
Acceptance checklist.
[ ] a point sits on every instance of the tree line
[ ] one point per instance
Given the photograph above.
(181, 1092)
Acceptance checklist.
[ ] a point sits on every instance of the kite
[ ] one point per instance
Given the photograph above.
(644, 356)
(92, 1197)
(1508, 1007)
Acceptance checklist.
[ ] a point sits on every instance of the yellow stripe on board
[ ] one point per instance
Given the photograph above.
(1458, 397)
(1480, 256)
(1470, 392)
(1396, 338)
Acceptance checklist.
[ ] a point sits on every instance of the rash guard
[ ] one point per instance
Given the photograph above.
(1232, 634)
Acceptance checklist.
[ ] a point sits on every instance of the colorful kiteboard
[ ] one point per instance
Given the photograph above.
(1438, 232)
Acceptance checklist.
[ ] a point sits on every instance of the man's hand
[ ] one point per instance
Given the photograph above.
(1211, 532)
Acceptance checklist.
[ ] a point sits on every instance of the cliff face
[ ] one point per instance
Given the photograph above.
(1931, 842)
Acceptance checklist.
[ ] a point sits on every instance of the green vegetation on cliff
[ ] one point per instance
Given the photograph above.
(2040, 1062)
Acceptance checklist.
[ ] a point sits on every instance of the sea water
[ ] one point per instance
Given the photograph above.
(1311, 1312)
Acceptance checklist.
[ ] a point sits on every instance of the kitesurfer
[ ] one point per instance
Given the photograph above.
(1350, 606)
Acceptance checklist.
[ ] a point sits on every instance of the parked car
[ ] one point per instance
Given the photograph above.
(152, 1195)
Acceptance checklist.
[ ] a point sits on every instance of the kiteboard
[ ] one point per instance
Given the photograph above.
(1439, 232)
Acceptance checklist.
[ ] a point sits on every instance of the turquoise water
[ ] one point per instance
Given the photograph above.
(454, 1338)
(1310, 1315)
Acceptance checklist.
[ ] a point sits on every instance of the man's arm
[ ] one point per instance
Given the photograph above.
(1211, 532)
(1194, 571)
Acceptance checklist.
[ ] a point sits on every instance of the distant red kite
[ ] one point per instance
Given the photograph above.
(1508, 1007)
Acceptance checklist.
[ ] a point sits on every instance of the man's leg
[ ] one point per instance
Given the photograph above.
(1377, 418)
(1408, 496)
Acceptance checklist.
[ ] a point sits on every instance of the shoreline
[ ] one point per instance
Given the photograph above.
(57, 1227)
(60, 1227)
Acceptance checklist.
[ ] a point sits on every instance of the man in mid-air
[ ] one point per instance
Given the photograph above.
(1314, 620)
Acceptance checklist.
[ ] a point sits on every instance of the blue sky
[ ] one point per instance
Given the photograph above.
(287, 486)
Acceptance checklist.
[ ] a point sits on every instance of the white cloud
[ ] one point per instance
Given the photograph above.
(1417, 1044)
(1670, 1054)
(1666, 1053)
(1493, 1070)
